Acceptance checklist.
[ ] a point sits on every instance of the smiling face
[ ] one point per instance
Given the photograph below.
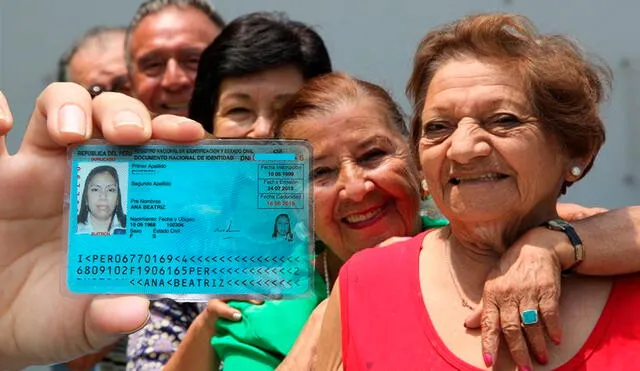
(365, 185)
(165, 50)
(247, 105)
(484, 155)
(102, 196)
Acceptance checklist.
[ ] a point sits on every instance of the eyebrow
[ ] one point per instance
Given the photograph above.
(245, 96)
(486, 105)
(369, 142)
(159, 54)
(376, 139)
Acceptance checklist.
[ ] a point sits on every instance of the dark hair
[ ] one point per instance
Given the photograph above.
(83, 214)
(564, 88)
(150, 7)
(250, 44)
(326, 94)
(98, 33)
(288, 235)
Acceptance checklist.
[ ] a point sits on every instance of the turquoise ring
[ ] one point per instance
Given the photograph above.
(529, 317)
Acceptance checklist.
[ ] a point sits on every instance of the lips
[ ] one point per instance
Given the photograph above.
(364, 218)
(481, 178)
(174, 107)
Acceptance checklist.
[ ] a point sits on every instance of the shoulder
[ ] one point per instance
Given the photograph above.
(374, 266)
(84, 228)
(386, 254)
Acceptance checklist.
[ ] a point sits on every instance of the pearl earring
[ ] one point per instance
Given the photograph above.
(425, 189)
(576, 171)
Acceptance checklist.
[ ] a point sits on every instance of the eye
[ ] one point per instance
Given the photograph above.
(436, 129)
(152, 68)
(434, 126)
(505, 120)
(321, 172)
(373, 155)
(238, 111)
(191, 63)
(112, 190)
(94, 189)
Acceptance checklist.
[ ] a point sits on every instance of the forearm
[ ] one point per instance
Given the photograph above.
(195, 351)
(611, 243)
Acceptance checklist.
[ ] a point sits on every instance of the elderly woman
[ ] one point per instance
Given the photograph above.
(366, 190)
(504, 121)
(248, 72)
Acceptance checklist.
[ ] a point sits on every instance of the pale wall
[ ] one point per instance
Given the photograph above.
(372, 39)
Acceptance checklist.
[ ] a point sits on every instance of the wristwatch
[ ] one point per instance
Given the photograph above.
(576, 242)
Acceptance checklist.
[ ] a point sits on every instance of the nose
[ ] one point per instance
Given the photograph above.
(174, 77)
(262, 128)
(353, 183)
(468, 142)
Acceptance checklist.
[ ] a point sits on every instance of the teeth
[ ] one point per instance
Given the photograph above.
(362, 217)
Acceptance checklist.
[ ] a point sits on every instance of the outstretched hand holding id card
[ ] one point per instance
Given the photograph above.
(33, 231)
(216, 218)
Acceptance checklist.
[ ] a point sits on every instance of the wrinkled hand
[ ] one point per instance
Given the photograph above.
(32, 249)
(527, 277)
(572, 212)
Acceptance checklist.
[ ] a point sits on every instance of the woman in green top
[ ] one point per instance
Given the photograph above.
(257, 62)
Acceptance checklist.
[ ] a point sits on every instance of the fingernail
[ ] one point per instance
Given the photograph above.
(542, 359)
(71, 119)
(524, 368)
(488, 359)
(142, 325)
(237, 316)
(124, 118)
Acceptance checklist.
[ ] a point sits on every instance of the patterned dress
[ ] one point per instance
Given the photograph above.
(151, 347)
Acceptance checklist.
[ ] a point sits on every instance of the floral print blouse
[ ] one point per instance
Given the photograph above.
(152, 346)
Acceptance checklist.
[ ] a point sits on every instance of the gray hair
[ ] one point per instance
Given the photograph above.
(96, 34)
(150, 7)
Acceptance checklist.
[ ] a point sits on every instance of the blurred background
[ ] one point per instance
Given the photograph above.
(372, 39)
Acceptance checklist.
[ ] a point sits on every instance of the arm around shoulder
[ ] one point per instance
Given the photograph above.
(611, 243)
